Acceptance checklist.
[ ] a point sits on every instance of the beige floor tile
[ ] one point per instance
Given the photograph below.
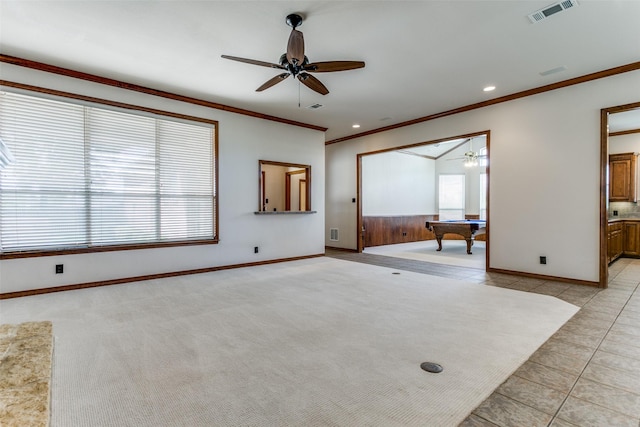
(610, 397)
(577, 351)
(594, 330)
(475, 421)
(616, 361)
(623, 338)
(546, 376)
(627, 329)
(558, 361)
(576, 338)
(628, 317)
(613, 377)
(604, 307)
(532, 394)
(507, 412)
(587, 311)
(617, 347)
(557, 422)
(583, 413)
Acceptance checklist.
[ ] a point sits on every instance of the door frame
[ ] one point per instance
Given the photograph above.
(604, 177)
(359, 156)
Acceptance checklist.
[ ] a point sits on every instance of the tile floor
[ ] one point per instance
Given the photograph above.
(586, 374)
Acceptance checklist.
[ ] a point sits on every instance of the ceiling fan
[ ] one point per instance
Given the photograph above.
(470, 157)
(297, 64)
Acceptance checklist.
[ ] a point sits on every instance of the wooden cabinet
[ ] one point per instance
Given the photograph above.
(631, 234)
(623, 239)
(615, 241)
(622, 177)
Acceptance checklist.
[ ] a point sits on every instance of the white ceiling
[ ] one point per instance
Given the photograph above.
(422, 57)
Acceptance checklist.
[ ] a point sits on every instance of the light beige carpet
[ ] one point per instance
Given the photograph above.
(318, 342)
(454, 252)
(25, 374)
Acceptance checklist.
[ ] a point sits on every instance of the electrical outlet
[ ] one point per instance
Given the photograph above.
(255, 250)
(59, 268)
(543, 260)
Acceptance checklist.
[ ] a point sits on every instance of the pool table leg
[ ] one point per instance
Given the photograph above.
(469, 244)
(439, 240)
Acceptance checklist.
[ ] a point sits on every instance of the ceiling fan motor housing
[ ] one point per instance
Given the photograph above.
(294, 20)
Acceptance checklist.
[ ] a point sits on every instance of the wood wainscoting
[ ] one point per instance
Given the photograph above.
(389, 230)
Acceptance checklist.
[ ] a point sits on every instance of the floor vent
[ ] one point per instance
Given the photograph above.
(543, 14)
(333, 234)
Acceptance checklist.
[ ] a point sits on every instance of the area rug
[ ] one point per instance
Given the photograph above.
(454, 252)
(25, 374)
(316, 342)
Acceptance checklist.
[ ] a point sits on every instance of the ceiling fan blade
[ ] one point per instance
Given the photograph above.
(254, 62)
(329, 66)
(312, 83)
(271, 82)
(295, 47)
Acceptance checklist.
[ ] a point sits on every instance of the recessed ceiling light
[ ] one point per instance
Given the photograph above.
(489, 88)
(355, 126)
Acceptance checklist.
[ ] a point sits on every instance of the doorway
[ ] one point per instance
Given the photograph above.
(616, 124)
(398, 193)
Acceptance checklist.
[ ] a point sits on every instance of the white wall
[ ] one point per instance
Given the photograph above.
(544, 174)
(624, 143)
(397, 184)
(242, 142)
(274, 177)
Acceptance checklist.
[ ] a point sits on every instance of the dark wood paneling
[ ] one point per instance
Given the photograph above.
(388, 230)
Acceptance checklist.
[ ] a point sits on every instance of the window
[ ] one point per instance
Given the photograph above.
(451, 197)
(87, 177)
(483, 196)
(483, 157)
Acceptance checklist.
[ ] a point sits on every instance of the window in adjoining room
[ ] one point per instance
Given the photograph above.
(87, 177)
(483, 196)
(451, 197)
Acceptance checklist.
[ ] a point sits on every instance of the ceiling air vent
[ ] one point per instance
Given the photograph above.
(552, 10)
(315, 106)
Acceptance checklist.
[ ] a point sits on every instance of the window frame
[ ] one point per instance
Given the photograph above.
(57, 95)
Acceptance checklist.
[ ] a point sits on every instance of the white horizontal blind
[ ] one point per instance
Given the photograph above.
(86, 176)
(186, 181)
(451, 197)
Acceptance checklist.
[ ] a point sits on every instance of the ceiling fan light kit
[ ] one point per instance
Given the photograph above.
(297, 64)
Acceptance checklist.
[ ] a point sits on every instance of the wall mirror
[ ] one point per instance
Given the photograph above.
(284, 187)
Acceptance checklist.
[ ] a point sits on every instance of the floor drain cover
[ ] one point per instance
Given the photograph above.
(431, 367)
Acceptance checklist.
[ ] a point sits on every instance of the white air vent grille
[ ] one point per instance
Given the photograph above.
(552, 10)
(333, 234)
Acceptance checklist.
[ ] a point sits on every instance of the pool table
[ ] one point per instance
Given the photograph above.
(466, 228)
